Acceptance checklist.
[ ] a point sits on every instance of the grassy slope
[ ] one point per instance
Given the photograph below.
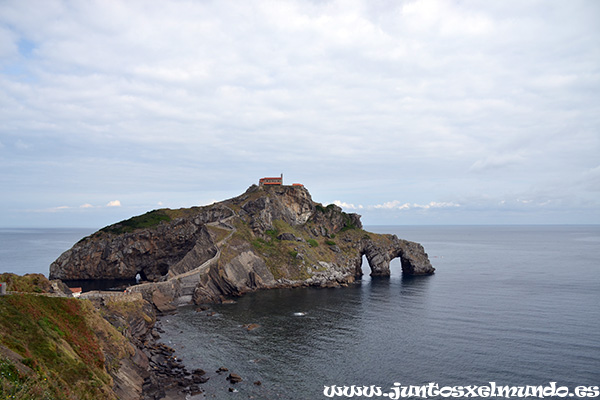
(64, 341)
(30, 283)
(148, 220)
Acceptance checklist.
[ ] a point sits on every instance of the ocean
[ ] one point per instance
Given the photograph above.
(515, 305)
(32, 250)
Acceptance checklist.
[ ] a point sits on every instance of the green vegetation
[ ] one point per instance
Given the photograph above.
(322, 209)
(17, 385)
(148, 220)
(272, 233)
(312, 242)
(30, 283)
(330, 242)
(260, 244)
(280, 256)
(348, 224)
(270, 243)
(59, 338)
(8, 371)
(125, 308)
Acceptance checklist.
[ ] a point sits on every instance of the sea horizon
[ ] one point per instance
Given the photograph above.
(49, 248)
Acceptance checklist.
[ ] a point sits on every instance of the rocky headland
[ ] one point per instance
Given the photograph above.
(268, 237)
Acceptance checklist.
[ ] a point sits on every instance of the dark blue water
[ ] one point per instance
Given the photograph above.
(514, 305)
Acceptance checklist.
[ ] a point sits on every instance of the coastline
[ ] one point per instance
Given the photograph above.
(464, 295)
(171, 378)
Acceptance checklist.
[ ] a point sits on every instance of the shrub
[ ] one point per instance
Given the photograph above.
(148, 220)
(312, 242)
(36, 283)
(348, 224)
(258, 243)
(272, 233)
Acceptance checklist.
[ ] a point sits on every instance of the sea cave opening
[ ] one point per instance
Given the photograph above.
(365, 269)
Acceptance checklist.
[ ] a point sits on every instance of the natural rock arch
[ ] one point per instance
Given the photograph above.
(413, 259)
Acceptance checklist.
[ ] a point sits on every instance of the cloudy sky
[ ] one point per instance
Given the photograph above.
(407, 112)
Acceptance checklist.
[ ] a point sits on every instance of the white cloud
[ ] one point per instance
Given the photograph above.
(347, 206)
(113, 203)
(373, 100)
(391, 205)
(445, 18)
(496, 161)
(86, 205)
(398, 205)
(436, 204)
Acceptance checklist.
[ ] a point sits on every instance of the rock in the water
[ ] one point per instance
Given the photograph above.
(250, 327)
(199, 379)
(234, 378)
(162, 302)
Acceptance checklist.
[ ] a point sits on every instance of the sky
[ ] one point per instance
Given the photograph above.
(416, 112)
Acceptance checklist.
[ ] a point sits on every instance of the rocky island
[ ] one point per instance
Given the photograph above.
(271, 236)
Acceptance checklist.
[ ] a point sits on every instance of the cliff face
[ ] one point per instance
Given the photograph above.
(270, 236)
